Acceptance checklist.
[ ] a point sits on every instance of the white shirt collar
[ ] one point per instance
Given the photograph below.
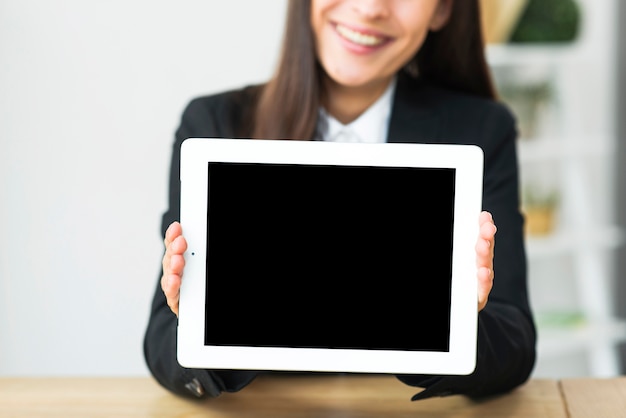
(371, 126)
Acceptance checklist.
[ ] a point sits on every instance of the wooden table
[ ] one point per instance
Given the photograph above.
(304, 396)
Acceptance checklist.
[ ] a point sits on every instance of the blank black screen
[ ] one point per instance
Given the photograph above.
(329, 256)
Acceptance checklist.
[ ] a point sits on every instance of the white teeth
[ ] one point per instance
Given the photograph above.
(358, 37)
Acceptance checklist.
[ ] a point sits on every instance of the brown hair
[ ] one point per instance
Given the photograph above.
(453, 57)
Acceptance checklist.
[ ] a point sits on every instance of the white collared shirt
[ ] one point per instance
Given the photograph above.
(370, 127)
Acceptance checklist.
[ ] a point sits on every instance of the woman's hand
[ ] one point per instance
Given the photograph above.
(176, 245)
(484, 257)
(173, 264)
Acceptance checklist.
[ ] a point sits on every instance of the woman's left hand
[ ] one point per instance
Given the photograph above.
(484, 257)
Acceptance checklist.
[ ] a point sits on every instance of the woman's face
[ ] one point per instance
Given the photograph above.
(365, 42)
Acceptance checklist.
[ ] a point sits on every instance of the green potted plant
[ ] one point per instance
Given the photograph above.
(549, 21)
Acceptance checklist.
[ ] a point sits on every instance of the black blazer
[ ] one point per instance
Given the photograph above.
(420, 113)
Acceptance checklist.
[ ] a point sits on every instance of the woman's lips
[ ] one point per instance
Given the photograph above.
(360, 38)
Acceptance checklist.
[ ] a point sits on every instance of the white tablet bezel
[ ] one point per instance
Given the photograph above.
(467, 160)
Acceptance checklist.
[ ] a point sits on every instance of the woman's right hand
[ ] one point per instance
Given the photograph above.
(173, 264)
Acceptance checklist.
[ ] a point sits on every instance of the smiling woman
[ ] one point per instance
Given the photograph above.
(361, 46)
(374, 71)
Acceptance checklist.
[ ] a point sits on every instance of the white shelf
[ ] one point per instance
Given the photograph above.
(554, 341)
(572, 150)
(529, 55)
(571, 241)
(546, 149)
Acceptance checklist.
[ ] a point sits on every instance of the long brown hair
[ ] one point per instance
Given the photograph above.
(453, 57)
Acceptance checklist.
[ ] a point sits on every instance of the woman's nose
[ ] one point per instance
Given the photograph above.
(371, 9)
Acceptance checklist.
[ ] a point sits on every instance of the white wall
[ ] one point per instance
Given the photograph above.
(90, 95)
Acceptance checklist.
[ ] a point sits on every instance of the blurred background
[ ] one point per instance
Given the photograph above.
(557, 65)
(92, 92)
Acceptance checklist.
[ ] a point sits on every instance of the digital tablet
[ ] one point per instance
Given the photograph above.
(329, 257)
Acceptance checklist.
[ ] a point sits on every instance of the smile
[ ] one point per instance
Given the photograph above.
(360, 38)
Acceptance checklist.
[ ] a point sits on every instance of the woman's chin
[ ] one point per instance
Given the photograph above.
(359, 79)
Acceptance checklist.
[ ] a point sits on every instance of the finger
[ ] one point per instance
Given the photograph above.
(484, 257)
(484, 253)
(177, 247)
(485, 283)
(171, 282)
(177, 264)
(487, 231)
(171, 289)
(174, 307)
(487, 228)
(173, 267)
(485, 244)
(172, 232)
(485, 216)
